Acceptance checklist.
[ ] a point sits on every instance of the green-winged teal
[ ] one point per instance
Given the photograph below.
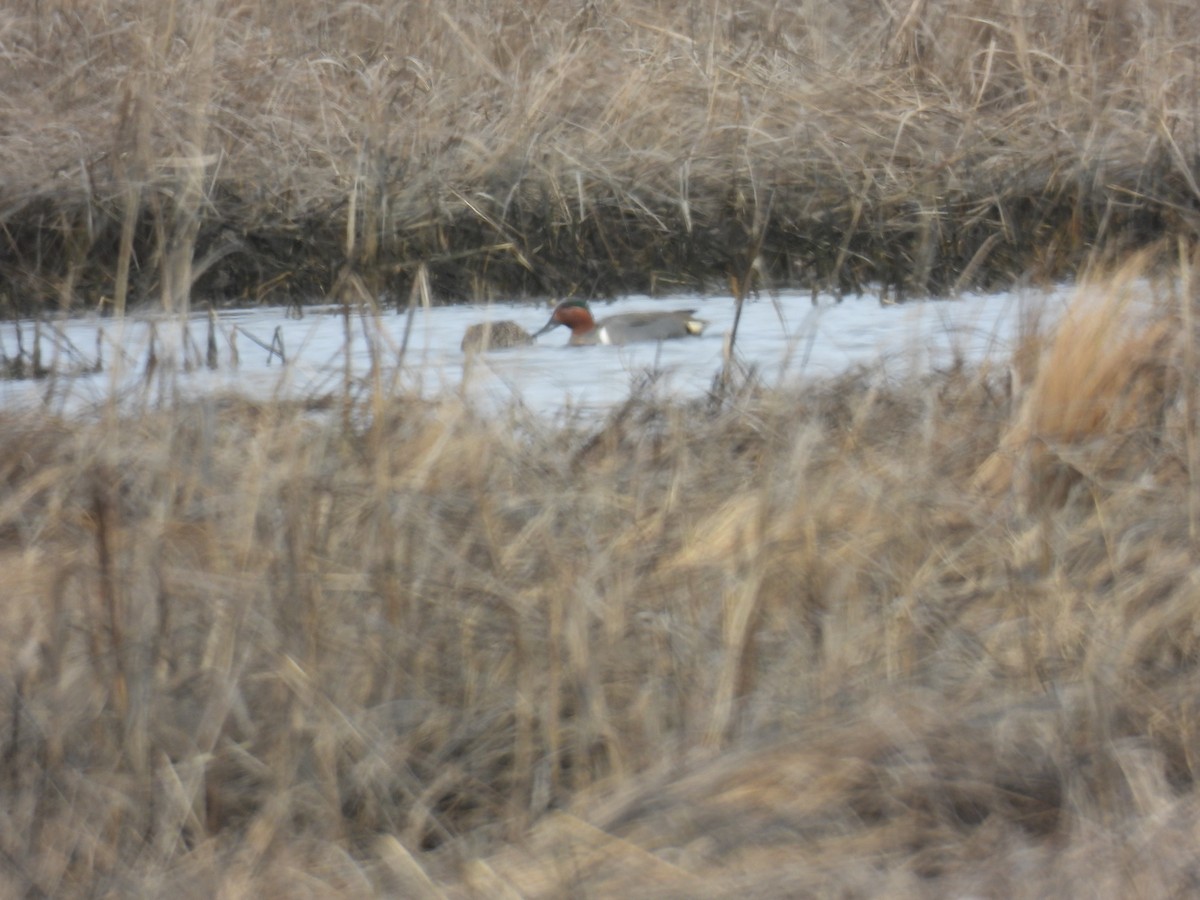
(495, 336)
(625, 328)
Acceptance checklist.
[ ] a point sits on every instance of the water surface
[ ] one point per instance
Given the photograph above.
(785, 337)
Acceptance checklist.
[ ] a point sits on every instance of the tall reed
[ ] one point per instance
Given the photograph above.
(250, 152)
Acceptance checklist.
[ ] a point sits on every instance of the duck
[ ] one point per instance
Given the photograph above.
(495, 336)
(622, 329)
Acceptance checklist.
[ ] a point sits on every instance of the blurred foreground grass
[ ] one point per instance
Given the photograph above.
(863, 638)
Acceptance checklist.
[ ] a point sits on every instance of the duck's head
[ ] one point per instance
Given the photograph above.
(572, 313)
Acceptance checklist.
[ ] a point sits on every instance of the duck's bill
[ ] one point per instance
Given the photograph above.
(549, 326)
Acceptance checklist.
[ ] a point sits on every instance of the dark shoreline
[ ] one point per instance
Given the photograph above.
(969, 244)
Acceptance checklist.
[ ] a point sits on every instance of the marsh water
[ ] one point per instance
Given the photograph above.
(781, 337)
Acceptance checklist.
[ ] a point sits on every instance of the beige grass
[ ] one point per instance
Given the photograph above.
(788, 644)
(258, 150)
(1106, 375)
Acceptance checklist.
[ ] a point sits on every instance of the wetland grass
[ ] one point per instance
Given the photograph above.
(263, 152)
(868, 637)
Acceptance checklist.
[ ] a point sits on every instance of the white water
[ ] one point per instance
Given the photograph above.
(786, 338)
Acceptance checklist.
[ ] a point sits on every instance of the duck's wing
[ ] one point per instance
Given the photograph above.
(644, 319)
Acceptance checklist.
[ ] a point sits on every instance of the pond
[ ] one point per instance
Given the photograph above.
(782, 337)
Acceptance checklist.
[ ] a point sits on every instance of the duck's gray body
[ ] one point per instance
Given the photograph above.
(630, 328)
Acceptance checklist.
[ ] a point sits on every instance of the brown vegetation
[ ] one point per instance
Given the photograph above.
(258, 151)
(802, 642)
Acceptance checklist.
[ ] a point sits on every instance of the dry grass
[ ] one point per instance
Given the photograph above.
(812, 642)
(260, 150)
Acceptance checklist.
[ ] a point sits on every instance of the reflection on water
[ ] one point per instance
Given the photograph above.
(782, 338)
